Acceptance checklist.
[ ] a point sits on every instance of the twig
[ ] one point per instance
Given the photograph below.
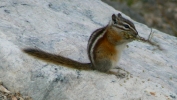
(139, 38)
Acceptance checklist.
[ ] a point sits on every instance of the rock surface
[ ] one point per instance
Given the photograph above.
(63, 27)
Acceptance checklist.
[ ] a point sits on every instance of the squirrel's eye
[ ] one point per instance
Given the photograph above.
(126, 26)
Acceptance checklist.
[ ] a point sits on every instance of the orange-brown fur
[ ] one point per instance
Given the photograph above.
(113, 36)
(106, 48)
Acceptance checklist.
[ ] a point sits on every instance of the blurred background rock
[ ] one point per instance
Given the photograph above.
(159, 14)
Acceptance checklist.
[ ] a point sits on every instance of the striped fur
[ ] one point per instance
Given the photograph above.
(121, 22)
(96, 35)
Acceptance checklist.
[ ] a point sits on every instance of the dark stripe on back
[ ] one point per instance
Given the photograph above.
(92, 38)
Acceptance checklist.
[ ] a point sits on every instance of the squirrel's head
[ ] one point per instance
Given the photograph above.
(124, 26)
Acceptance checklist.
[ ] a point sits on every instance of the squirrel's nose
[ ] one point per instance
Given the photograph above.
(136, 33)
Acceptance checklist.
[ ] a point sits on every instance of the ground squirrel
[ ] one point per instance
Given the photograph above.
(104, 47)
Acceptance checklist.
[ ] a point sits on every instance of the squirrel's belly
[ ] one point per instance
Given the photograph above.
(117, 57)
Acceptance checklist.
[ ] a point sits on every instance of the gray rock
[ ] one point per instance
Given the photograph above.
(63, 27)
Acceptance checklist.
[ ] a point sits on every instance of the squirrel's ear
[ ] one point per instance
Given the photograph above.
(119, 15)
(114, 18)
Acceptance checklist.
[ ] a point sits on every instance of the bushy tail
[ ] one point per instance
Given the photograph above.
(57, 59)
